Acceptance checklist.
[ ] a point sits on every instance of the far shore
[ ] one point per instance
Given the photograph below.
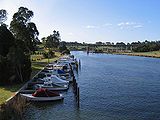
(153, 54)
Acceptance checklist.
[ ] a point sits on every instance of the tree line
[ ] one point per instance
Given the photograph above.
(145, 46)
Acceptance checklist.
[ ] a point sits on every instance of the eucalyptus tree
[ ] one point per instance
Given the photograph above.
(33, 35)
(53, 41)
(26, 38)
(56, 38)
(6, 40)
(23, 29)
(6, 37)
(3, 16)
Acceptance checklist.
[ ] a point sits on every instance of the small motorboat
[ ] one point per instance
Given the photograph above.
(52, 86)
(43, 95)
(55, 79)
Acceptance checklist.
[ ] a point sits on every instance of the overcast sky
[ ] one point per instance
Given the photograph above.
(93, 20)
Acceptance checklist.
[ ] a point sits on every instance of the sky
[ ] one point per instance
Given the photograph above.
(91, 21)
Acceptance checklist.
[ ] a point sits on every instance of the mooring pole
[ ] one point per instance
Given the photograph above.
(79, 63)
(75, 88)
(78, 105)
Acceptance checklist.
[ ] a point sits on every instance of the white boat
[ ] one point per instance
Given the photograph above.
(55, 80)
(49, 72)
(52, 86)
(32, 98)
(67, 78)
(43, 95)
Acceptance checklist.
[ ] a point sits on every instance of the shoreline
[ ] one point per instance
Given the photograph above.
(9, 105)
(137, 54)
(152, 54)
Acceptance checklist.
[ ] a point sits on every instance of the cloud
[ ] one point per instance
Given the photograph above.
(96, 26)
(129, 25)
(138, 26)
(91, 26)
(126, 23)
(107, 24)
(70, 34)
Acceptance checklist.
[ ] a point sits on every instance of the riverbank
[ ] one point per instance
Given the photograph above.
(12, 104)
(8, 91)
(154, 54)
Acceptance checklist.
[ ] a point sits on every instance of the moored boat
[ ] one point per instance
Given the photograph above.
(52, 86)
(43, 95)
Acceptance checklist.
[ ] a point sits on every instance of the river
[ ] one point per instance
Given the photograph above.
(112, 87)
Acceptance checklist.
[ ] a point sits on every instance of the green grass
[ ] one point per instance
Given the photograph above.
(36, 57)
(8, 91)
(38, 65)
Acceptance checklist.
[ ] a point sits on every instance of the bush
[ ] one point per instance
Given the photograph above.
(4, 71)
(49, 54)
(63, 49)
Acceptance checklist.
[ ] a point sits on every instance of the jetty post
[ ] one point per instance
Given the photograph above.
(78, 97)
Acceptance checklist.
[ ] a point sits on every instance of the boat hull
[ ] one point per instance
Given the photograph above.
(29, 97)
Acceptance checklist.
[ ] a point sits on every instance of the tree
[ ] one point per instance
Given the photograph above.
(44, 40)
(3, 16)
(16, 46)
(26, 38)
(23, 29)
(146, 46)
(56, 38)
(33, 33)
(63, 49)
(52, 41)
(16, 57)
(6, 40)
(21, 65)
(120, 44)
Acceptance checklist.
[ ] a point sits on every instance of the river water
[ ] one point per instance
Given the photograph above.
(112, 87)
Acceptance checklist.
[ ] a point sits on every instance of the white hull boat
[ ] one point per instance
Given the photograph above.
(32, 98)
(52, 86)
(43, 95)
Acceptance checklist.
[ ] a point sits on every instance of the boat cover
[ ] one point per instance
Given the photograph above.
(41, 92)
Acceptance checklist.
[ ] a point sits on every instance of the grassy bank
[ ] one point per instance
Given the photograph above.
(154, 54)
(8, 91)
(38, 65)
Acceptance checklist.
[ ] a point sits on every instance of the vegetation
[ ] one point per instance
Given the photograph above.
(155, 54)
(146, 46)
(16, 46)
(118, 47)
(53, 43)
(3, 16)
(8, 91)
(40, 64)
(19, 45)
